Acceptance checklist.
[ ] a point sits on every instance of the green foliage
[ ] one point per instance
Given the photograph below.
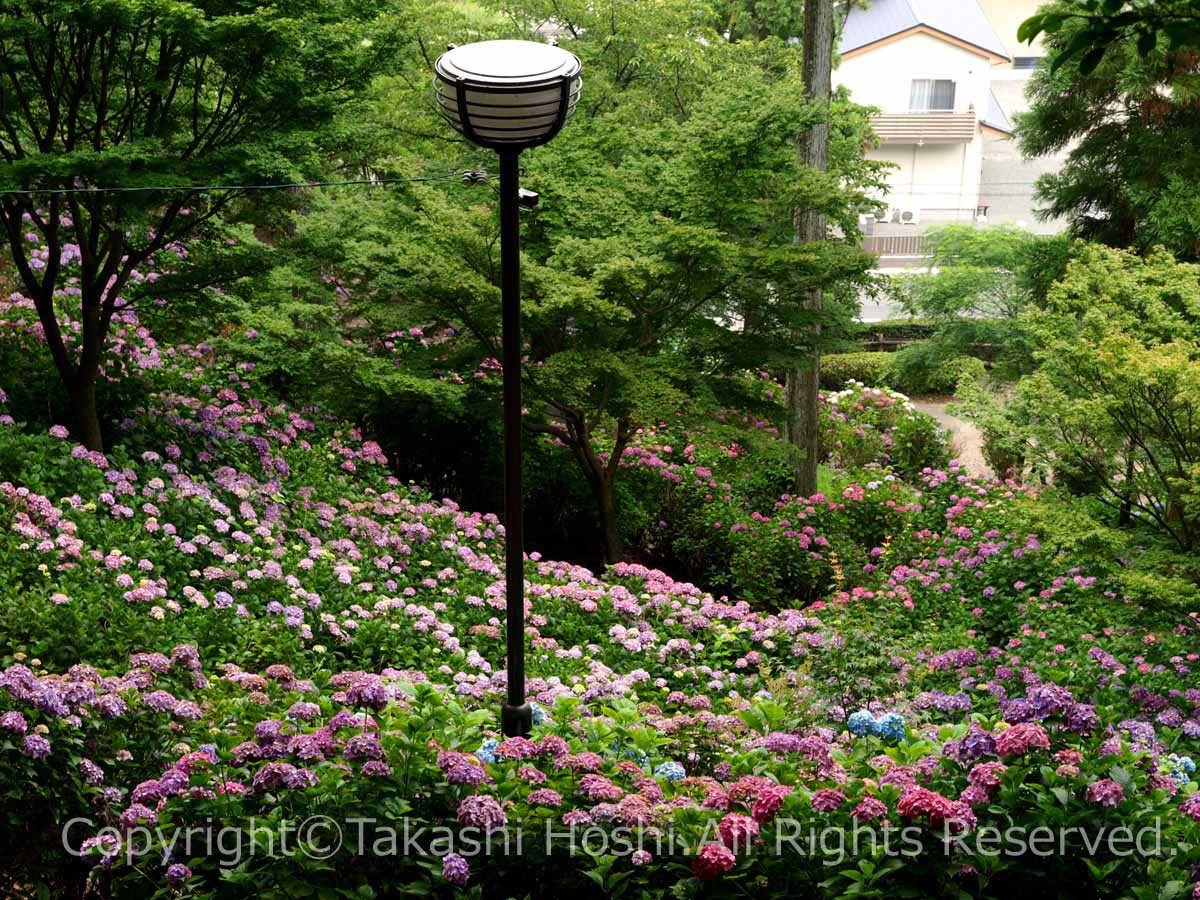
(928, 368)
(873, 368)
(989, 273)
(896, 329)
(1114, 407)
(633, 264)
(1104, 23)
(1123, 113)
(167, 93)
(984, 279)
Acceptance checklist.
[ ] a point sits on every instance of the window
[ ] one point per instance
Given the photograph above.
(931, 95)
(1026, 62)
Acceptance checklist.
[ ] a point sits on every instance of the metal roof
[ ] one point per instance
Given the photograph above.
(996, 116)
(961, 19)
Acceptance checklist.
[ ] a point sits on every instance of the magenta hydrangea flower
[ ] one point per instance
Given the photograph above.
(13, 721)
(828, 799)
(92, 773)
(597, 787)
(363, 746)
(768, 802)
(465, 773)
(481, 811)
(35, 746)
(1191, 807)
(920, 802)
(138, 813)
(737, 831)
(1105, 792)
(1019, 739)
(545, 797)
(869, 808)
(713, 861)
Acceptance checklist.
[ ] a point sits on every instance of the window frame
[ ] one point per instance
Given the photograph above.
(933, 80)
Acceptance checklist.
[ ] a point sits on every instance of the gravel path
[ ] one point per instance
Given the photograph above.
(965, 440)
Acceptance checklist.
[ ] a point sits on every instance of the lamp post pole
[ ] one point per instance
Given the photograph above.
(516, 716)
(508, 96)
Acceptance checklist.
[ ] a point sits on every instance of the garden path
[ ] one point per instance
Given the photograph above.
(965, 439)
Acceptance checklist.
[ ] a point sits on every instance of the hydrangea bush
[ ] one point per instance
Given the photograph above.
(239, 619)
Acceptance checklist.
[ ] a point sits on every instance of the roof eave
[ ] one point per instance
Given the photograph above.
(990, 55)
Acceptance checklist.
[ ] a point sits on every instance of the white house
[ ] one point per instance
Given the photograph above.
(946, 75)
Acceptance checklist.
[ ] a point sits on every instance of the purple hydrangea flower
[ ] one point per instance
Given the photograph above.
(456, 870)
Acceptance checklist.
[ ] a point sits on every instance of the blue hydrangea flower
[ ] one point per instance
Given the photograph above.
(639, 756)
(487, 751)
(861, 722)
(1179, 768)
(539, 714)
(672, 771)
(891, 727)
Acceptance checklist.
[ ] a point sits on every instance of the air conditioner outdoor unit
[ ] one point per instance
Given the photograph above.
(866, 221)
(907, 216)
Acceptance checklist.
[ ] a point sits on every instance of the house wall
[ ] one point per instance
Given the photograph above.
(1005, 17)
(940, 180)
(882, 76)
(1007, 180)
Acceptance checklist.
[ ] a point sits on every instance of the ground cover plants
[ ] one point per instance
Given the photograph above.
(237, 621)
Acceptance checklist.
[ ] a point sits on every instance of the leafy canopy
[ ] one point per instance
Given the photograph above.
(1126, 122)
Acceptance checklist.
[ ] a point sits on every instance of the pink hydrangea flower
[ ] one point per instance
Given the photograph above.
(1019, 739)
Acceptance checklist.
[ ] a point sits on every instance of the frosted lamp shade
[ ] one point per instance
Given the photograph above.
(507, 94)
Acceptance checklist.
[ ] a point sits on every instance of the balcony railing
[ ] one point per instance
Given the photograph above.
(890, 245)
(925, 127)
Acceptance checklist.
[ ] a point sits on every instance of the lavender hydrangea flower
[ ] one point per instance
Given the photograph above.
(456, 870)
(35, 746)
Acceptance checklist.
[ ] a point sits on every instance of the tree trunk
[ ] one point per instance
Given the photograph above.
(604, 488)
(1126, 517)
(803, 426)
(87, 418)
(602, 476)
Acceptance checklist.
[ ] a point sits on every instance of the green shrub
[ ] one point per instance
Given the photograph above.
(866, 425)
(872, 368)
(927, 368)
(897, 329)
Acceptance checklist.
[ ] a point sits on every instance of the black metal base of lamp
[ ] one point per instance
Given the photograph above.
(516, 721)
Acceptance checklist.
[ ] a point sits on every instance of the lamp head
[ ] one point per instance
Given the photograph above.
(507, 95)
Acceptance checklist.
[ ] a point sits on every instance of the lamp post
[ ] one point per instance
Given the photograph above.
(508, 96)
